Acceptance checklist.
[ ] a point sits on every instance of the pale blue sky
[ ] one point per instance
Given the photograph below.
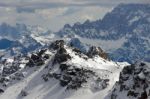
(53, 14)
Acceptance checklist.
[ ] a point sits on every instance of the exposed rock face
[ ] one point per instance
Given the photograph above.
(77, 50)
(73, 77)
(23, 93)
(35, 60)
(12, 69)
(9, 70)
(66, 66)
(1, 91)
(97, 51)
(38, 58)
(41, 52)
(61, 58)
(9, 67)
(61, 54)
(134, 81)
(57, 44)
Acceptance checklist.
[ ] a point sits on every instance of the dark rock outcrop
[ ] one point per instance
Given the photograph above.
(97, 51)
(57, 44)
(135, 80)
(61, 55)
(73, 77)
(1, 90)
(24, 93)
(38, 58)
(41, 52)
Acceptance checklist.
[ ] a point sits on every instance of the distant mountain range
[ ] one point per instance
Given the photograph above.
(36, 63)
(20, 39)
(127, 25)
(16, 40)
(124, 33)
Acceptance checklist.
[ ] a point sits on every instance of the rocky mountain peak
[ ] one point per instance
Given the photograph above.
(125, 25)
(133, 82)
(57, 44)
(97, 51)
(60, 64)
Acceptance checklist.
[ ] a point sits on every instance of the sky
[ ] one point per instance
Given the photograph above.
(53, 14)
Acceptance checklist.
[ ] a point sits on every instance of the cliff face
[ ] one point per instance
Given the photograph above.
(134, 82)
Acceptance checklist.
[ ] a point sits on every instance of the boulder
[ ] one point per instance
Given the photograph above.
(23, 93)
(1, 90)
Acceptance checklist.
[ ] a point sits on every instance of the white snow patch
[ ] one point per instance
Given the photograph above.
(136, 18)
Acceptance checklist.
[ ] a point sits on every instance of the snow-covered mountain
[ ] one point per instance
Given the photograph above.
(13, 32)
(21, 39)
(123, 32)
(36, 64)
(134, 83)
(42, 35)
(59, 72)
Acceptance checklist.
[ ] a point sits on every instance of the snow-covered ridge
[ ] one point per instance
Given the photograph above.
(58, 72)
(134, 82)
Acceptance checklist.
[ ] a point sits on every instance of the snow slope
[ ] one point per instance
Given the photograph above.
(39, 82)
(134, 83)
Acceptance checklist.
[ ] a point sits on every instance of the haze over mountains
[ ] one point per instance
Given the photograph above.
(87, 60)
(125, 29)
(126, 25)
